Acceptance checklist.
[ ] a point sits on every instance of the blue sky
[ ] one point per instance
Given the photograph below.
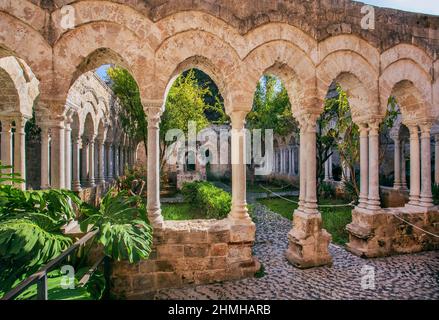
(423, 6)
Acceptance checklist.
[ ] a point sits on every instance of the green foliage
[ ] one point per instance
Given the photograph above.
(204, 196)
(123, 228)
(327, 190)
(131, 115)
(271, 108)
(30, 229)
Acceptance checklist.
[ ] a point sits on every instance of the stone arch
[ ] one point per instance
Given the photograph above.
(101, 131)
(356, 76)
(108, 11)
(290, 64)
(350, 43)
(405, 51)
(89, 126)
(9, 97)
(28, 45)
(411, 85)
(92, 45)
(199, 50)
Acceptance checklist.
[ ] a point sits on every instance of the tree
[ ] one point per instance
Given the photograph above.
(132, 115)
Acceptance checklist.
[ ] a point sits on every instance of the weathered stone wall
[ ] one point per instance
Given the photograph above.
(381, 234)
(393, 198)
(189, 252)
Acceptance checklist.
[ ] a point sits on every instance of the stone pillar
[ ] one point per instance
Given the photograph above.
(76, 181)
(85, 164)
(68, 155)
(154, 111)
(116, 160)
(239, 203)
(436, 159)
(308, 242)
(331, 177)
(91, 162)
(415, 161)
(45, 158)
(293, 165)
(109, 161)
(57, 163)
(364, 166)
(122, 160)
(6, 145)
(20, 151)
(374, 188)
(311, 168)
(397, 163)
(101, 163)
(426, 199)
(302, 170)
(403, 167)
(326, 179)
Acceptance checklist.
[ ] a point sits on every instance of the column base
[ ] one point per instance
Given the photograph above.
(373, 204)
(381, 233)
(308, 242)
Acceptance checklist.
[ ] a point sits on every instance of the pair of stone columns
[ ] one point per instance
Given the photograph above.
(399, 164)
(308, 241)
(420, 165)
(369, 165)
(18, 151)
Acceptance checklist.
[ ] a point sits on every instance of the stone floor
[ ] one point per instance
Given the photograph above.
(414, 276)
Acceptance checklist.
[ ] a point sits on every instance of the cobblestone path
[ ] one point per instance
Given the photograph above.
(414, 276)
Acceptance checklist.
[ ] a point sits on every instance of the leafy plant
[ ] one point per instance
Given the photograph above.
(30, 228)
(204, 196)
(123, 228)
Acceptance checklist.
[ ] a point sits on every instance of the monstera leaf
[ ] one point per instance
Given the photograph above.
(123, 228)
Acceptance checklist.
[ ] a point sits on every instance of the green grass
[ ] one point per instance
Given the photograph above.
(334, 219)
(180, 211)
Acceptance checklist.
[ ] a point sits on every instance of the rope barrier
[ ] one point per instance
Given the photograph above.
(416, 227)
(352, 204)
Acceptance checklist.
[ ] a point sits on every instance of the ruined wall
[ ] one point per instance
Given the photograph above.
(189, 252)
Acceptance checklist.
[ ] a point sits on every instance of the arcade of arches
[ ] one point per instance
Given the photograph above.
(300, 42)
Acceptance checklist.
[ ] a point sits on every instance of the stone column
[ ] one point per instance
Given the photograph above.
(364, 166)
(101, 164)
(91, 162)
(415, 161)
(426, 199)
(308, 242)
(116, 160)
(85, 163)
(302, 170)
(6, 145)
(57, 163)
(45, 158)
(374, 188)
(109, 161)
(154, 111)
(76, 181)
(326, 179)
(20, 151)
(436, 159)
(122, 160)
(68, 155)
(239, 203)
(397, 163)
(311, 168)
(403, 167)
(293, 165)
(331, 177)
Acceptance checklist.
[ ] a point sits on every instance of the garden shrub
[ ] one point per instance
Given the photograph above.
(327, 190)
(204, 196)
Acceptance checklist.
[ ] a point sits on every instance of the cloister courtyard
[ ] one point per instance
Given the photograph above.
(218, 150)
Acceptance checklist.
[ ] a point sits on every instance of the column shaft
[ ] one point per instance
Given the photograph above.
(76, 181)
(364, 166)
(6, 145)
(20, 151)
(415, 161)
(45, 158)
(426, 199)
(57, 156)
(397, 163)
(374, 188)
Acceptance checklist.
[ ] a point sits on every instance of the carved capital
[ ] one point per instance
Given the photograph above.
(374, 127)
(308, 122)
(364, 130)
(238, 119)
(153, 110)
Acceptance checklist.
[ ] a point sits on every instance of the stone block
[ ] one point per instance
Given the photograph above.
(168, 280)
(219, 249)
(242, 233)
(170, 251)
(143, 282)
(196, 250)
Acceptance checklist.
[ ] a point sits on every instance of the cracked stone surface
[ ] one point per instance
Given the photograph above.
(414, 276)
